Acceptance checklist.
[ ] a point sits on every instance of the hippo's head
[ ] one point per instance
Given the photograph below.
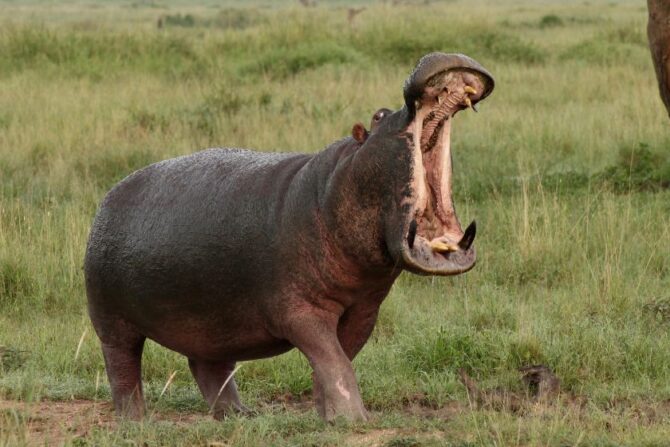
(412, 147)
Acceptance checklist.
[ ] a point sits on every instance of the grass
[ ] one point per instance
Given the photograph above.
(566, 170)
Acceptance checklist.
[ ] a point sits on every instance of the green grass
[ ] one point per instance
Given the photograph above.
(566, 169)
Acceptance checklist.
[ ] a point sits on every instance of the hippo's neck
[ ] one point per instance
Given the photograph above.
(336, 227)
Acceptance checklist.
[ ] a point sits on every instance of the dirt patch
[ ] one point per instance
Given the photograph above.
(391, 437)
(54, 422)
(372, 437)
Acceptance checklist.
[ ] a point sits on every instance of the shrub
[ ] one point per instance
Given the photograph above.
(187, 20)
(453, 349)
(15, 281)
(550, 21)
(638, 168)
(285, 62)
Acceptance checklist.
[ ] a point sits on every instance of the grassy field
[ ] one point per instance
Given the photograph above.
(566, 169)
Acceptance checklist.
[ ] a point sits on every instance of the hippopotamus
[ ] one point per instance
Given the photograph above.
(227, 255)
(658, 31)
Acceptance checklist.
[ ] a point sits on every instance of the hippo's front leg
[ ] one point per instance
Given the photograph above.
(353, 331)
(315, 335)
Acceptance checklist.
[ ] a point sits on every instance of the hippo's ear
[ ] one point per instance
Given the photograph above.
(359, 132)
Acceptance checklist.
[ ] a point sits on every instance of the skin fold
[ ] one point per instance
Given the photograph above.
(228, 255)
(658, 31)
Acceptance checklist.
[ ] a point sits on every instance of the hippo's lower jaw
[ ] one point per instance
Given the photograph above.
(435, 244)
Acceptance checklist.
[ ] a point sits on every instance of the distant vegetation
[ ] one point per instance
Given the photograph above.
(566, 169)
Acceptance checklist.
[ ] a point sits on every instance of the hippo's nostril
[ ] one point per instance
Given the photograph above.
(468, 236)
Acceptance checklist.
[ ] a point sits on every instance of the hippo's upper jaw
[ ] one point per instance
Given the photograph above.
(440, 86)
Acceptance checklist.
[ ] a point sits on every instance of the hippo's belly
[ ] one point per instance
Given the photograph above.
(183, 252)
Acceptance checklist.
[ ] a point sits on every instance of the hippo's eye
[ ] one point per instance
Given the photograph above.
(378, 116)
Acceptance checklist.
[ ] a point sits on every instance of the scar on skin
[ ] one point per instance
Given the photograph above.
(343, 391)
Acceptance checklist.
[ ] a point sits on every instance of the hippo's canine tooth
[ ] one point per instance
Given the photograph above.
(411, 235)
(468, 236)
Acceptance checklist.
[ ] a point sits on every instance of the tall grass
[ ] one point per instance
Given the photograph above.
(566, 170)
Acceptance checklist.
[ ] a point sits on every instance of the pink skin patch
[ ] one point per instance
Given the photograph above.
(343, 391)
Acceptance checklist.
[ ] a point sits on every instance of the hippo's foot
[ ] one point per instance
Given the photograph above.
(331, 410)
(351, 410)
(211, 377)
(339, 402)
(225, 410)
(123, 370)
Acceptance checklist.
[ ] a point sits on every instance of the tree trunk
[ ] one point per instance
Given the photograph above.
(658, 31)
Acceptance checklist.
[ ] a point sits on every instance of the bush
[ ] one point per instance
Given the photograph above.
(238, 19)
(285, 62)
(80, 53)
(550, 21)
(480, 43)
(639, 169)
(15, 281)
(450, 350)
(186, 21)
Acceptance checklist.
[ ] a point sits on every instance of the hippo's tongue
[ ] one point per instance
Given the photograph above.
(445, 95)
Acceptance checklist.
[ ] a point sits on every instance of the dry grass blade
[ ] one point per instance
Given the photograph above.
(80, 344)
(167, 384)
(218, 395)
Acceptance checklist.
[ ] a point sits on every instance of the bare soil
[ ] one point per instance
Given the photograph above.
(53, 422)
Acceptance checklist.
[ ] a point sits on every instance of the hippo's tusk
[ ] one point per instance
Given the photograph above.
(469, 89)
(468, 236)
(442, 247)
(474, 107)
(412, 233)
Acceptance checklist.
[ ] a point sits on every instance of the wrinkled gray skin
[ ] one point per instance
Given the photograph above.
(658, 31)
(228, 255)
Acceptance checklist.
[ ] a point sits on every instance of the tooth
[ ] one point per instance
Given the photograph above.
(469, 89)
(474, 107)
(411, 234)
(468, 236)
(442, 247)
(468, 102)
(439, 100)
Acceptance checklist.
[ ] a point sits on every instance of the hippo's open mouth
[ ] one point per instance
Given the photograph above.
(435, 242)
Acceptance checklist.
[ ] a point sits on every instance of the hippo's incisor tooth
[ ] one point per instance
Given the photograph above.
(469, 89)
(442, 247)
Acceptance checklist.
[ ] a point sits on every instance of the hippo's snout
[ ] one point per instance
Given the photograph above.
(440, 86)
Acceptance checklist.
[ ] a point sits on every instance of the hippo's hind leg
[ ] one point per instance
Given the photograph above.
(210, 377)
(123, 363)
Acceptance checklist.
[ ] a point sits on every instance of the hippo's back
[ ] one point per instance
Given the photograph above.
(183, 236)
